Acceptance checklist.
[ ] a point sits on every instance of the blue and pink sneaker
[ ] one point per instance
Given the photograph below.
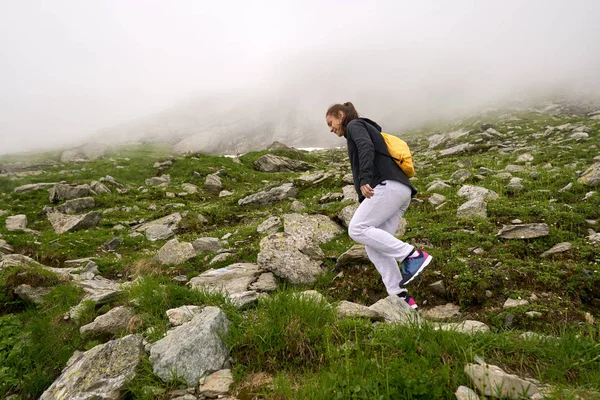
(411, 302)
(413, 265)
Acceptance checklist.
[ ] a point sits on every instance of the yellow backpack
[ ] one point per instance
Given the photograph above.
(400, 153)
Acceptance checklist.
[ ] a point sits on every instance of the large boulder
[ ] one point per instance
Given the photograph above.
(232, 279)
(395, 309)
(73, 206)
(591, 176)
(285, 191)
(99, 373)
(320, 227)
(174, 252)
(347, 213)
(273, 163)
(193, 349)
(62, 223)
(63, 191)
(293, 257)
(524, 231)
(207, 245)
(491, 380)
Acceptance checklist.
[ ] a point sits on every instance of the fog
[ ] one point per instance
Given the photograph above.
(74, 71)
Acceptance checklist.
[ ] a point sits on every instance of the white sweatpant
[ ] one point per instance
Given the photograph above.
(374, 224)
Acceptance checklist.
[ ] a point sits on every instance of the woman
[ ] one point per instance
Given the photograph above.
(384, 193)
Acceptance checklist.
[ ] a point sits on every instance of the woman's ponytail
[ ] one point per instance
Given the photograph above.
(347, 108)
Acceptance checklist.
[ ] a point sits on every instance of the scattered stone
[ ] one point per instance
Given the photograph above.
(353, 310)
(273, 163)
(99, 373)
(436, 199)
(33, 187)
(99, 188)
(171, 221)
(524, 158)
(112, 244)
(464, 393)
(235, 278)
(439, 287)
(533, 314)
(591, 176)
(347, 213)
(456, 150)
(216, 384)
(475, 208)
(320, 227)
(32, 294)
(297, 206)
(5, 248)
(514, 169)
(213, 183)
(158, 232)
(63, 191)
(189, 188)
(524, 231)
(174, 252)
(493, 381)
(180, 315)
(113, 322)
(438, 185)
(162, 180)
(558, 248)
(265, 283)
(446, 311)
(73, 206)
(285, 191)
(16, 223)
(271, 225)
(207, 245)
(355, 255)
(225, 193)
(395, 309)
(510, 303)
(474, 192)
(461, 175)
(292, 257)
(62, 223)
(566, 188)
(468, 327)
(436, 141)
(191, 350)
(241, 300)
(350, 193)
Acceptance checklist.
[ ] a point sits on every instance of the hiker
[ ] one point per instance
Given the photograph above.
(384, 192)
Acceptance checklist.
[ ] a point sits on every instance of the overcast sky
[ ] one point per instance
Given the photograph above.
(70, 68)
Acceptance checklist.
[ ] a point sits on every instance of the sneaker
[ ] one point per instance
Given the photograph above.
(413, 266)
(411, 302)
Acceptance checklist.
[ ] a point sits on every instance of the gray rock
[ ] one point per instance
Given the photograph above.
(63, 191)
(265, 283)
(320, 227)
(493, 381)
(16, 223)
(192, 349)
(514, 168)
(524, 231)
(99, 187)
(180, 315)
(348, 309)
(5, 248)
(220, 257)
(402, 226)
(591, 176)
(159, 180)
(285, 191)
(297, 206)
(32, 294)
(439, 287)
(456, 150)
(523, 158)
(350, 193)
(474, 192)
(468, 327)
(558, 248)
(207, 245)
(347, 213)
(213, 183)
(446, 311)
(510, 303)
(113, 322)
(475, 208)
(158, 232)
(331, 197)
(273, 163)
(33, 187)
(395, 309)
(112, 244)
(438, 185)
(533, 314)
(270, 225)
(295, 258)
(174, 252)
(355, 255)
(110, 180)
(464, 393)
(235, 278)
(515, 184)
(461, 175)
(436, 141)
(74, 206)
(241, 300)
(71, 155)
(171, 221)
(189, 188)
(62, 223)
(436, 199)
(99, 373)
(216, 384)
(225, 193)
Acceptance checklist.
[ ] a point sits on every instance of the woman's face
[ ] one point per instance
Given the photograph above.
(335, 123)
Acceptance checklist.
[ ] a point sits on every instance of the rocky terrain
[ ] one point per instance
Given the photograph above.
(136, 273)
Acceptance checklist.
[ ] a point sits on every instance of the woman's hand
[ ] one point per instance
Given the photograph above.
(367, 191)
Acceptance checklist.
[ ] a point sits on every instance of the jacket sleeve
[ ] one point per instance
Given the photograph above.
(366, 151)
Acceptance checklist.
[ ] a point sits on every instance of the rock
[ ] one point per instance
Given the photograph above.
(93, 151)
(192, 349)
(63, 191)
(402, 226)
(464, 393)
(315, 177)
(331, 197)
(347, 213)
(225, 193)
(591, 176)
(171, 221)
(558, 248)
(99, 373)
(350, 193)
(189, 188)
(475, 192)
(533, 335)
(241, 300)
(213, 183)
(265, 283)
(436, 199)
(158, 232)
(180, 315)
(395, 309)
(174, 252)
(475, 208)
(33, 187)
(533, 314)
(113, 322)
(220, 257)
(110, 180)
(355, 255)
(438, 185)
(514, 168)
(16, 223)
(99, 188)
(348, 309)
(523, 158)
(320, 227)
(295, 258)
(456, 150)
(270, 225)
(32, 294)
(112, 244)
(74, 206)
(235, 278)
(524, 231)
(313, 295)
(273, 163)
(71, 155)
(216, 384)
(510, 303)
(515, 184)
(493, 381)
(285, 191)
(461, 175)
(207, 245)
(438, 287)
(297, 206)
(276, 145)
(468, 327)
(163, 180)
(448, 310)
(436, 141)
(62, 223)
(5, 248)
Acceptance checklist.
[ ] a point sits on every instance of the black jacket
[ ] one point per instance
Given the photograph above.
(369, 158)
